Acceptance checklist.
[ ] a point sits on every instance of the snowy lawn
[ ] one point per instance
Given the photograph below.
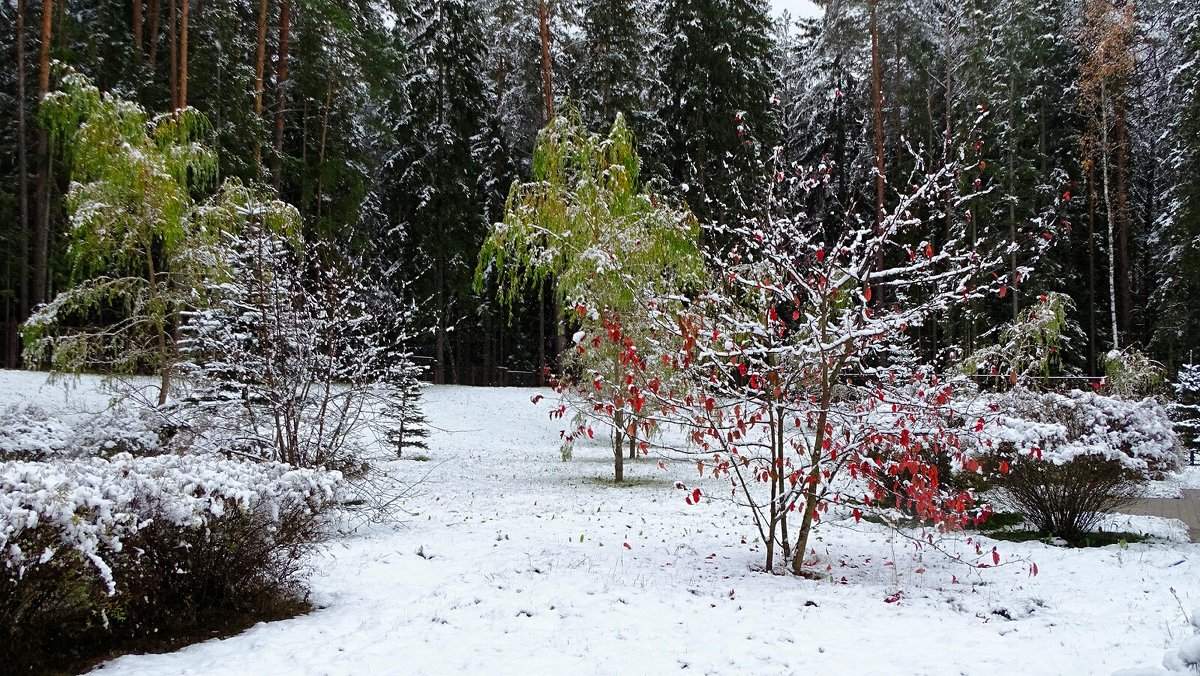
(513, 561)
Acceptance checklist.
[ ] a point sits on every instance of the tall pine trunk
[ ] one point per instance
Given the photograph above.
(41, 230)
(183, 55)
(155, 19)
(877, 104)
(281, 84)
(136, 26)
(547, 65)
(259, 69)
(25, 234)
(173, 51)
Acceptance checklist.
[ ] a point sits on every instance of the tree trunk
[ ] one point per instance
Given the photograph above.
(541, 375)
(439, 355)
(41, 230)
(161, 329)
(1125, 280)
(183, 55)
(633, 439)
(1108, 209)
(618, 446)
(547, 74)
(137, 26)
(281, 83)
(1091, 181)
(1012, 206)
(259, 69)
(814, 476)
(877, 103)
(321, 152)
(24, 230)
(173, 52)
(152, 37)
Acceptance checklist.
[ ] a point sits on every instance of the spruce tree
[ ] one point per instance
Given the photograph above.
(716, 73)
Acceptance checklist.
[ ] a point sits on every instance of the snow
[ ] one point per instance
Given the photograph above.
(508, 560)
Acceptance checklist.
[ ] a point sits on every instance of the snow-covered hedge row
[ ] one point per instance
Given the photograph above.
(96, 550)
(29, 432)
(93, 505)
(1064, 426)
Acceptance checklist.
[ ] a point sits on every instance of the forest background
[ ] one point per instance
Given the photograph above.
(397, 128)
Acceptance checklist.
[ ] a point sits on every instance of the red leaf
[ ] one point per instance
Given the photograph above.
(536, 398)
(820, 255)
(857, 515)
(696, 496)
(1003, 290)
(867, 294)
(591, 434)
(626, 545)
(995, 556)
(929, 251)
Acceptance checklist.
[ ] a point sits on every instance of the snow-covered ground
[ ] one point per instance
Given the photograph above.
(512, 561)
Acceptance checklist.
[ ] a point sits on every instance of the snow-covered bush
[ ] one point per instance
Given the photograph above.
(1065, 459)
(103, 549)
(30, 433)
(294, 356)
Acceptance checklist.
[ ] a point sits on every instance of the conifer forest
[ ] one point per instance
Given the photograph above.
(396, 129)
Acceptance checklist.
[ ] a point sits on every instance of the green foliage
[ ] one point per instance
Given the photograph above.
(1133, 375)
(1028, 347)
(583, 222)
(131, 232)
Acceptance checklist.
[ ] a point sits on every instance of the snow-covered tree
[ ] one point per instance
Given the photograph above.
(294, 356)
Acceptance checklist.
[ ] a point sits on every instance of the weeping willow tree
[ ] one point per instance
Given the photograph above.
(132, 242)
(584, 224)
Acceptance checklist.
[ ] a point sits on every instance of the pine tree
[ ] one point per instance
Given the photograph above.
(431, 189)
(1177, 280)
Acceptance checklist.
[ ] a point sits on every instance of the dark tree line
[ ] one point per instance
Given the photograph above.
(397, 127)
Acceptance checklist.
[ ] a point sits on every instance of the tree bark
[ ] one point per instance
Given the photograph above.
(877, 102)
(321, 152)
(1108, 209)
(1091, 180)
(618, 446)
(439, 364)
(281, 83)
(183, 55)
(137, 26)
(173, 58)
(547, 70)
(41, 230)
(1125, 279)
(1012, 206)
(25, 233)
(259, 69)
(155, 24)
